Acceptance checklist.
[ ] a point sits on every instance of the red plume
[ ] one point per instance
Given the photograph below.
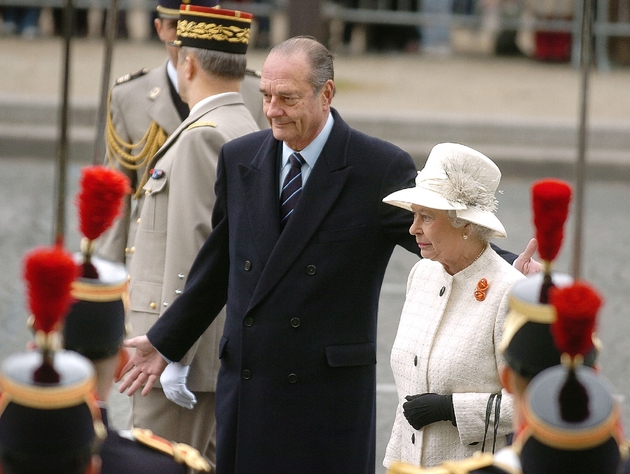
(49, 273)
(550, 199)
(100, 199)
(576, 308)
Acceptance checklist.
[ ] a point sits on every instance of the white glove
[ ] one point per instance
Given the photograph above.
(173, 381)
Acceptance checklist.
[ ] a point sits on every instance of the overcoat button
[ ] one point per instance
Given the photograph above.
(415, 360)
(165, 303)
(248, 265)
(178, 292)
(248, 321)
(247, 374)
(132, 250)
(180, 276)
(311, 269)
(413, 438)
(138, 221)
(295, 322)
(442, 290)
(153, 305)
(292, 378)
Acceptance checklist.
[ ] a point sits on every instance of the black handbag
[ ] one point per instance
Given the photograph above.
(494, 399)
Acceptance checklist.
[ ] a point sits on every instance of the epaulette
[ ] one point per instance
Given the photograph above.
(201, 124)
(251, 72)
(476, 461)
(182, 453)
(131, 76)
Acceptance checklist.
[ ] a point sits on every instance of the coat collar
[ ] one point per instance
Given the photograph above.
(260, 182)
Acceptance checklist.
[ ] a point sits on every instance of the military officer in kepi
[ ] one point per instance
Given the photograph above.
(144, 109)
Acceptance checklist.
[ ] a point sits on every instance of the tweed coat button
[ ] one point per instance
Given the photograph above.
(292, 378)
(153, 305)
(247, 374)
(247, 266)
(442, 290)
(311, 269)
(248, 321)
(295, 322)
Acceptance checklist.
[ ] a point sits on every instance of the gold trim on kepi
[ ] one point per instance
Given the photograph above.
(213, 29)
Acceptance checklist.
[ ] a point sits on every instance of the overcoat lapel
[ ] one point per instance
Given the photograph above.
(326, 181)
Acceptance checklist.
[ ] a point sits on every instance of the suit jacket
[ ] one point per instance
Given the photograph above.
(296, 390)
(176, 219)
(121, 455)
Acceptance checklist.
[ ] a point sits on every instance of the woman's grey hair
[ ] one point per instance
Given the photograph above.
(217, 63)
(320, 59)
(482, 233)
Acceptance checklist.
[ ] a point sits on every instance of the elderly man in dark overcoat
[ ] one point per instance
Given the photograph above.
(296, 388)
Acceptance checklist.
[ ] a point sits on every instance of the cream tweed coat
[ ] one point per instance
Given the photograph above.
(447, 343)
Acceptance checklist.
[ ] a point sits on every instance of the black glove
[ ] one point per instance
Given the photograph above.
(426, 408)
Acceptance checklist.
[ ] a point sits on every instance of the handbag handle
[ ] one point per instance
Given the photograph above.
(494, 398)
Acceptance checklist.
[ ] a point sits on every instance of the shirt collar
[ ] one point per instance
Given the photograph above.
(172, 74)
(312, 151)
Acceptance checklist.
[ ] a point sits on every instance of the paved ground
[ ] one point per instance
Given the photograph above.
(462, 89)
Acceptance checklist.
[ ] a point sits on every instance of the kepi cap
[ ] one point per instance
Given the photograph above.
(170, 8)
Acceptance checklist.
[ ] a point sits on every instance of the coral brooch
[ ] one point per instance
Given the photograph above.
(480, 291)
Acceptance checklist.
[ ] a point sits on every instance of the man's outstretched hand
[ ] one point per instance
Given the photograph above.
(144, 367)
(525, 263)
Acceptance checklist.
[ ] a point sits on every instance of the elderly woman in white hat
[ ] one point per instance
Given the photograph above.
(446, 358)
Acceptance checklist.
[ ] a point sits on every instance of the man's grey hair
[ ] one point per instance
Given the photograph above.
(320, 59)
(217, 63)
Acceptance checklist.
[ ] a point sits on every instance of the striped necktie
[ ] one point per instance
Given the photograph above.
(291, 189)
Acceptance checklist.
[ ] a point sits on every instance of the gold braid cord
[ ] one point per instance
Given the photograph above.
(477, 461)
(182, 453)
(119, 151)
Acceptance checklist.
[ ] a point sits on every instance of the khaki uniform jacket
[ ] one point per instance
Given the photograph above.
(134, 105)
(136, 102)
(175, 220)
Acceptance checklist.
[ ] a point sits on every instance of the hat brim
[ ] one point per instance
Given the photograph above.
(420, 196)
(485, 219)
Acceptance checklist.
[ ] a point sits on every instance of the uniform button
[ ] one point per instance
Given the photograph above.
(247, 374)
(248, 265)
(127, 250)
(178, 292)
(442, 290)
(295, 322)
(292, 378)
(415, 360)
(138, 221)
(180, 276)
(165, 303)
(152, 305)
(132, 250)
(248, 321)
(413, 438)
(311, 269)
(148, 191)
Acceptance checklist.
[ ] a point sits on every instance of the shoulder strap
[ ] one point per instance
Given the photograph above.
(182, 453)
